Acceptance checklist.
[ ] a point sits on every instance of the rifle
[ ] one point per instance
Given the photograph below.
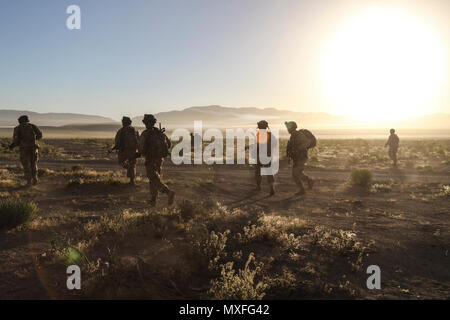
(112, 149)
(161, 129)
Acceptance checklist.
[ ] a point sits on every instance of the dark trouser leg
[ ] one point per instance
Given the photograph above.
(127, 160)
(298, 175)
(258, 177)
(393, 155)
(33, 166)
(25, 160)
(154, 175)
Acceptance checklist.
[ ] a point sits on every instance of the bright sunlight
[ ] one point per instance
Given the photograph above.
(384, 63)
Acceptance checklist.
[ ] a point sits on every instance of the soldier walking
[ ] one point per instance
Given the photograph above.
(297, 150)
(154, 146)
(393, 143)
(126, 141)
(263, 137)
(24, 137)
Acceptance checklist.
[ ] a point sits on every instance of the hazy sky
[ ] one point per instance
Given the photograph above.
(141, 56)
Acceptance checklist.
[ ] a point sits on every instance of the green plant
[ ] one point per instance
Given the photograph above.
(361, 177)
(15, 212)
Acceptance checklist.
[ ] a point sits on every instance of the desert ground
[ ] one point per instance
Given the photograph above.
(223, 240)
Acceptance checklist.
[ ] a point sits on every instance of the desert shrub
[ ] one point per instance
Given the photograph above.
(275, 229)
(113, 181)
(361, 177)
(381, 188)
(77, 181)
(44, 172)
(238, 286)
(212, 249)
(445, 191)
(77, 167)
(341, 242)
(15, 212)
(352, 160)
(188, 209)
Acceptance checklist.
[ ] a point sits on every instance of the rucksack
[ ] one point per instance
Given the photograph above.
(27, 134)
(156, 144)
(129, 138)
(311, 138)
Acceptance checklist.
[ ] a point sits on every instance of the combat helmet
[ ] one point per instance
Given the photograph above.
(23, 119)
(126, 121)
(290, 125)
(263, 124)
(149, 119)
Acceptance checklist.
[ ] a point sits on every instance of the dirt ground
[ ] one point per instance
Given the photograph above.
(315, 246)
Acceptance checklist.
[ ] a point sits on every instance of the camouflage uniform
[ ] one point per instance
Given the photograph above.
(259, 165)
(126, 141)
(153, 165)
(298, 152)
(25, 136)
(393, 143)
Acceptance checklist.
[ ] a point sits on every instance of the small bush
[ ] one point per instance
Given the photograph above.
(240, 285)
(77, 167)
(361, 177)
(381, 188)
(77, 181)
(15, 212)
(445, 191)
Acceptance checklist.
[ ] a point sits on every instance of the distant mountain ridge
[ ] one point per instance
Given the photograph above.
(216, 116)
(9, 118)
(220, 117)
(227, 117)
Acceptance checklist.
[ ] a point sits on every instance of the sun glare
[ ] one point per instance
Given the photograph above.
(384, 63)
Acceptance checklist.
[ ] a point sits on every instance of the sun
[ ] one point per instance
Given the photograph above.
(383, 64)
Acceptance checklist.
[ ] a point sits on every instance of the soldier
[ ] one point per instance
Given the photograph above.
(126, 142)
(25, 136)
(154, 146)
(263, 137)
(393, 143)
(297, 150)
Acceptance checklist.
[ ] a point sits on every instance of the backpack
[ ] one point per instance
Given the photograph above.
(27, 134)
(311, 138)
(129, 138)
(156, 144)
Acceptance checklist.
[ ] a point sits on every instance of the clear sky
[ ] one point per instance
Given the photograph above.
(142, 56)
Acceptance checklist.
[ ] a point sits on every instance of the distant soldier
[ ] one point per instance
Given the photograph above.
(154, 146)
(297, 150)
(126, 141)
(393, 143)
(263, 137)
(25, 136)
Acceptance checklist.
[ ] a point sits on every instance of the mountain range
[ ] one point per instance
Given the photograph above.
(9, 118)
(222, 117)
